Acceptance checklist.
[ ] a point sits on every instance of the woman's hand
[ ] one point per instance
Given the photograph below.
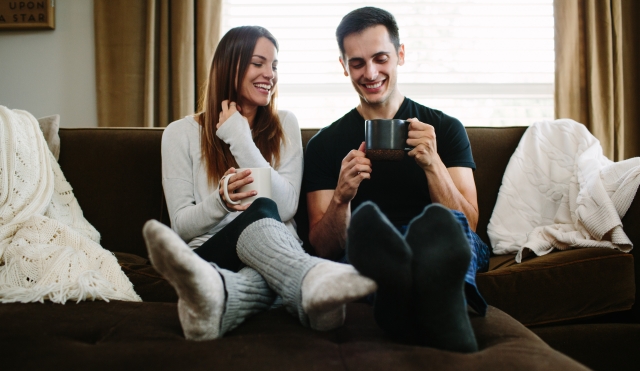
(228, 109)
(236, 181)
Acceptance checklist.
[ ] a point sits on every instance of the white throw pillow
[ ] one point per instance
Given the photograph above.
(49, 126)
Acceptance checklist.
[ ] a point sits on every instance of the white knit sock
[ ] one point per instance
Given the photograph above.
(199, 286)
(314, 289)
(326, 289)
(247, 295)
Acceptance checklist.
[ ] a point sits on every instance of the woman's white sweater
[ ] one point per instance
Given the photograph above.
(195, 208)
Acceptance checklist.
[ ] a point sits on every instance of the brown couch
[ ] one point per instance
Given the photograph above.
(580, 302)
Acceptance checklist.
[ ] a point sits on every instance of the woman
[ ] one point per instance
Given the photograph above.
(243, 255)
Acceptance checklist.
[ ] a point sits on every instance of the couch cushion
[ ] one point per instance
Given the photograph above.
(630, 223)
(600, 346)
(492, 148)
(560, 286)
(126, 335)
(116, 177)
(147, 282)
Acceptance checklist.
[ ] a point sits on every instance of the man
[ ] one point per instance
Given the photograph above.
(412, 228)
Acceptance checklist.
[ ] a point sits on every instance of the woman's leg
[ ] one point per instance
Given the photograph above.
(247, 294)
(313, 289)
(221, 247)
(212, 301)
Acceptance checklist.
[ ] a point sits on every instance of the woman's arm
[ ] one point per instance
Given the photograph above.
(189, 218)
(287, 179)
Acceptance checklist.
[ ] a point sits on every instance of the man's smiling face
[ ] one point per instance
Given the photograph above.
(371, 61)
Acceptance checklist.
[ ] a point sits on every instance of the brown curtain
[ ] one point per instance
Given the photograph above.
(598, 70)
(152, 58)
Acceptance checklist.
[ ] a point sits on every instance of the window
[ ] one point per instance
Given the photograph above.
(486, 62)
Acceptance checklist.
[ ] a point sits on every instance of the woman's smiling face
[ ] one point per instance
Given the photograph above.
(261, 77)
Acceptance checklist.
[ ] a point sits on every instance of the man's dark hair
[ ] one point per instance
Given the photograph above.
(359, 20)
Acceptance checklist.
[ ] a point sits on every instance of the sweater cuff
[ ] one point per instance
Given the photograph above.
(219, 198)
(236, 126)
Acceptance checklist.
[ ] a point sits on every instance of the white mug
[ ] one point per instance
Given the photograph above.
(261, 183)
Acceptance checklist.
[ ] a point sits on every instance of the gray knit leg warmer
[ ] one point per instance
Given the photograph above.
(267, 246)
(247, 294)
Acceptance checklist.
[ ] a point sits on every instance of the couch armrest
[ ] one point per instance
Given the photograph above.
(631, 226)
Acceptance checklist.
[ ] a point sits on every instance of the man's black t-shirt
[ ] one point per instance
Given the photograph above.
(400, 188)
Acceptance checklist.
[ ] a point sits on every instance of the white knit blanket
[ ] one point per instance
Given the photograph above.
(559, 191)
(48, 250)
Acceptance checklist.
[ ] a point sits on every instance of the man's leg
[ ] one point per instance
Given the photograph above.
(441, 256)
(378, 251)
(479, 263)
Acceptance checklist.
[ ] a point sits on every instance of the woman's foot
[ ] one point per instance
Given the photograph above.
(199, 286)
(326, 288)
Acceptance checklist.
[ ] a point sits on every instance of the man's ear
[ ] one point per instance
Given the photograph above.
(401, 55)
(346, 73)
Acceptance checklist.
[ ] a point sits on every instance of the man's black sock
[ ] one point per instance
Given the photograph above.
(376, 249)
(441, 257)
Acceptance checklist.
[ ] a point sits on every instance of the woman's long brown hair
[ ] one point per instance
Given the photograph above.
(231, 59)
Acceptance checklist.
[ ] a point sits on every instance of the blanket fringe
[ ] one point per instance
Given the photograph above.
(90, 285)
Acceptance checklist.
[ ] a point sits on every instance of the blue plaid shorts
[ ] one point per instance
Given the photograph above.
(479, 263)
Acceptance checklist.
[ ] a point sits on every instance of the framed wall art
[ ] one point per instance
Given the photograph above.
(26, 15)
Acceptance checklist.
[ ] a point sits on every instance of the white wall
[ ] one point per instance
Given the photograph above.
(50, 72)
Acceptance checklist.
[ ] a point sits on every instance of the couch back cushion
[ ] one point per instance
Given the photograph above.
(116, 177)
(492, 148)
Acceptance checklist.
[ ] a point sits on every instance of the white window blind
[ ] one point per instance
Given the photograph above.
(486, 62)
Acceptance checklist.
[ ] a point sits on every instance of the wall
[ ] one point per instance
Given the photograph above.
(50, 72)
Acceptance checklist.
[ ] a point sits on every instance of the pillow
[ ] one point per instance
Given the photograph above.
(49, 126)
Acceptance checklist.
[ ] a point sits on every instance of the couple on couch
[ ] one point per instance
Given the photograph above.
(419, 257)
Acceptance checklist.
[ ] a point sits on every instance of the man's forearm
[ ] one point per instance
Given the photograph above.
(443, 190)
(329, 235)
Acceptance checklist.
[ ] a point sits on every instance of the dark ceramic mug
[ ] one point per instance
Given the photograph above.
(386, 139)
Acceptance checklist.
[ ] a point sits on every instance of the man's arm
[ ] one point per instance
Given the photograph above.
(453, 187)
(328, 223)
(330, 210)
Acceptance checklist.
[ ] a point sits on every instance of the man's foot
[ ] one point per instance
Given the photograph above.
(377, 250)
(199, 286)
(441, 256)
(326, 288)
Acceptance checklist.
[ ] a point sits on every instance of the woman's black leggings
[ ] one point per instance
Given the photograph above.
(221, 247)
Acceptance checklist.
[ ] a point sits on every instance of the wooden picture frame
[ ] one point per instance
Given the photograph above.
(27, 15)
